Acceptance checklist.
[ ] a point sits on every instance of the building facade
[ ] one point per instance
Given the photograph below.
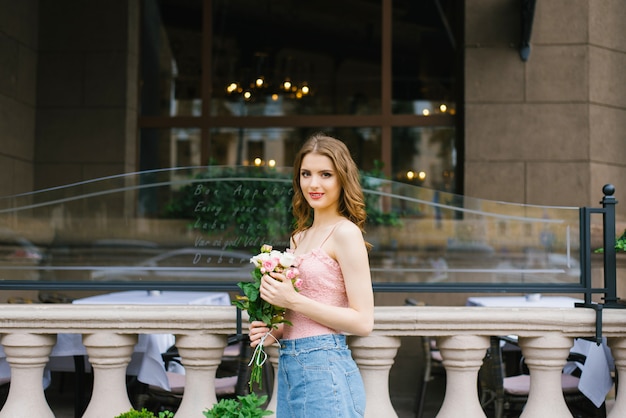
(439, 96)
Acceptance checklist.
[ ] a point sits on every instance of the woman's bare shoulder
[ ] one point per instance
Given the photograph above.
(347, 231)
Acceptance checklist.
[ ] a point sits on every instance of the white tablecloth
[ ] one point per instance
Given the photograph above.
(530, 301)
(155, 297)
(595, 379)
(146, 362)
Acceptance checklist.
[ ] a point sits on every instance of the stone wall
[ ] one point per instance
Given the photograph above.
(87, 91)
(548, 131)
(18, 89)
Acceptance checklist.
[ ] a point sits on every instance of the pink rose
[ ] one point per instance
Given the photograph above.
(292, 273)
(269, 264)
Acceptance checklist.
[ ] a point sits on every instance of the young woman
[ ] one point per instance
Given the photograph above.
(316, 373)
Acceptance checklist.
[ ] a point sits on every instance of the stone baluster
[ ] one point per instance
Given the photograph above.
(272, 352)
(462, 358)
(109, 355)
(545, 357)
(27, 354)
(375, 355)
(201, 354)
(618, 349)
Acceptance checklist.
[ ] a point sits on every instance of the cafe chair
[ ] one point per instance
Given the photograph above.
(433, 365)
(231, 377)
(507, 395)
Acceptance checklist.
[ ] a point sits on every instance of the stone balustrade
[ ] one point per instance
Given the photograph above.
(462, 333)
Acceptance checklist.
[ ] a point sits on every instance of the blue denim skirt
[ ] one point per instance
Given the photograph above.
(317, 377)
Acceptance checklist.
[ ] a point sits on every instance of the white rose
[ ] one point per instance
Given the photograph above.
(258, 259)
(287, 259)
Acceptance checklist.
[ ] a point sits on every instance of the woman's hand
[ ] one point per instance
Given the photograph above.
(257, 330)
(277, 289)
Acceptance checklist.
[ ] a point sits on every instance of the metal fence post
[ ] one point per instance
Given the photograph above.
(608, 217)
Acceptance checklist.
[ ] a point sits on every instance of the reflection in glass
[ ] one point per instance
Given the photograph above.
(277, 146)
(425, 156)
(425, 56)
(298, 58)
(447, 238)
(205, 220)
(294, 60)
(171, 58)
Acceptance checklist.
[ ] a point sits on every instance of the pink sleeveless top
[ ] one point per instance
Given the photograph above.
(322, 281)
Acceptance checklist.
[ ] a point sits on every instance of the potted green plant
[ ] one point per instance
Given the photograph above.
(144, 413)
(248, 406)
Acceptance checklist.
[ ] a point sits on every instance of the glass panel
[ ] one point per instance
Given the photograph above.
(205, 222)
(171, 52)
(425, 156)
(437, 237)
(296, 58)
(424, 56)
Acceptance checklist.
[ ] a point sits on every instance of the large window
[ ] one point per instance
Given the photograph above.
(243, 82)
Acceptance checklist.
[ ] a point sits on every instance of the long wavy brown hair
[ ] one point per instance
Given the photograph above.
(351, 200)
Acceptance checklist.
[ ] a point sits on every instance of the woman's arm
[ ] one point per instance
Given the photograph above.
(348, 248)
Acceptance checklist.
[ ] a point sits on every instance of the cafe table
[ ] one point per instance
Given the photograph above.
(157, 297)
(595, 378)
(533, 300)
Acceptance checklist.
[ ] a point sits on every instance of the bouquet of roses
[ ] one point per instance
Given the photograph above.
(269, 260)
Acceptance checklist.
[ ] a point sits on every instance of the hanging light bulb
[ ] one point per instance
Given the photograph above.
(232, 87)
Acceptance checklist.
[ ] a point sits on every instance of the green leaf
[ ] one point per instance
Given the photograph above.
(248, 406)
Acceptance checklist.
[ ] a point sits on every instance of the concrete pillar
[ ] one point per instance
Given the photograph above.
(109, 355)
(462, 357)
(27, 354)
(545, 357)
(201, 354)
(375, 355)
